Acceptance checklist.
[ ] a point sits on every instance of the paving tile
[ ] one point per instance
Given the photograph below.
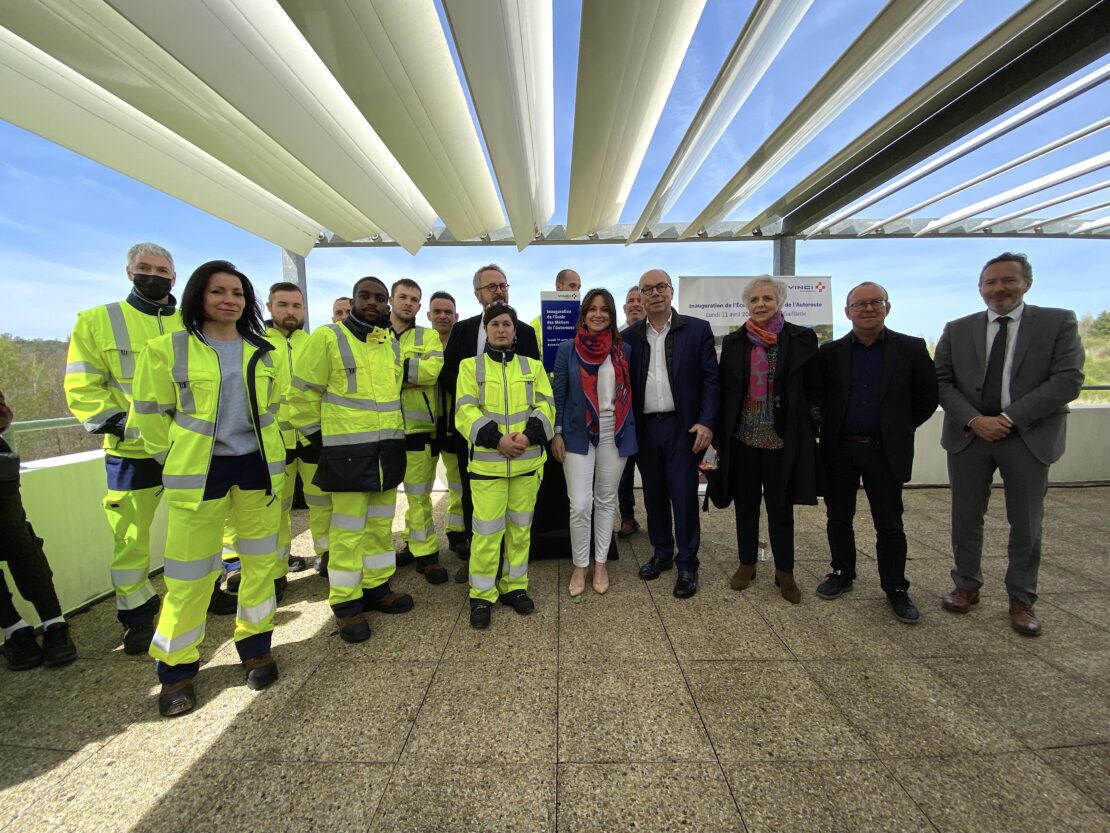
(26, 775)
(1050, 579)
(1036, 702)
(610, 627)
(1015, 792)
(434, 796)
(628, 711)
(1087, 768)
(599, 798)
(823, 797)
(943, 634)
(489, 712)
(524, 639)
(903, 708)
(760, 711)
(819, 629)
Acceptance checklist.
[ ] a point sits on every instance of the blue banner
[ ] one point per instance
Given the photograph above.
(558, 318)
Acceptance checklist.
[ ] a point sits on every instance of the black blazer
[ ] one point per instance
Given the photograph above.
(797, 406)
(908, 395)
(463, 344)
(691, 369)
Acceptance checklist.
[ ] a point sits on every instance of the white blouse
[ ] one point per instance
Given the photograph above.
(606, 386)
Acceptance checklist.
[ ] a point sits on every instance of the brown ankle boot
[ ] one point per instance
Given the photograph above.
(742, 577)
(784, 580)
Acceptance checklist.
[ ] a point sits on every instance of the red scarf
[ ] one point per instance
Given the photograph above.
(592, 349)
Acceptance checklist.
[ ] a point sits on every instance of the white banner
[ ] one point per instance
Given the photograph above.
(718, 299)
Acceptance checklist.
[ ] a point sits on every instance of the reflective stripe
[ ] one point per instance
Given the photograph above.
(480, 423)
(413, 371)
(454, 520)
(99, 420)
(317, 500)
(287, 504)
(122, 339)
(309, 430)
(362, 404)
(183, 481)
(418, 488)
(381, 511)
(275, 467)
(354, 523)
(518, 416)
(123, 387)
(195, 424)
(178, 643)
(364, 437)
(530, 393)
(417, 416)
(131, 433)
(192, 570)
(379, 561)
(396, 350)
(120, 577)
(482, 582)
(302, 384)
(285, 553)
(266, 420)
(434, 354)
(136, 599)
(285, 425)
(489, 527)
(257, 613)
(181, 370)
(453, 486)
(488, 457)
(344, 578)
(543, 397)
(466, 400)
(145, 406)
(257, 546)
(531, 453)
(345, 355)
(160, 459)
(520, 518)
(523, 362)
(519, 571)
(547, 429)
(422, 534)
(322, 543)
(84, 367)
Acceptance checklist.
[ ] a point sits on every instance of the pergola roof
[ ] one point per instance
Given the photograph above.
(326, 123)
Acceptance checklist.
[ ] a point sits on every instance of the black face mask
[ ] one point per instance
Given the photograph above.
(152, 287)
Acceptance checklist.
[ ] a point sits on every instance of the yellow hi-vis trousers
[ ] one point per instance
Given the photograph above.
(362, 554)
(454, 493)
(319, 512)
(420, 526)
(130, 514)
(502, 509)
(194, 543)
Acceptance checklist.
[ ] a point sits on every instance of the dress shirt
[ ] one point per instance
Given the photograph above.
(658, 398)
(1011, 342)
(864, 385)
(606, 386)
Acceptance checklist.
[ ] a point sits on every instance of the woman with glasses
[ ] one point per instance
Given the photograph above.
(594, 431)
(205, 402)
(770, 417)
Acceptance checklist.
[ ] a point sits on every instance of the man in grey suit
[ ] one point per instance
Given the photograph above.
(1006, 377)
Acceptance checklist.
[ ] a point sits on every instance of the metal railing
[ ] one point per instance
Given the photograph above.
(32, 425)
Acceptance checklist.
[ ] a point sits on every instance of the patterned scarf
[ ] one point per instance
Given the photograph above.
(759, 377)
(592, 349)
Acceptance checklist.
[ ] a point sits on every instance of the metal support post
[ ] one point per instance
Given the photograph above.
(784, 255)
(293, 270)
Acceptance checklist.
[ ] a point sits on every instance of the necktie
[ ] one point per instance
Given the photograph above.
(992, 382)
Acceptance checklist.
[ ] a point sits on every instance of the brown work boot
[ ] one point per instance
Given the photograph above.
(176, 698)
(1023, 619)
(960, 600)
(742, 577)
(784, 580)
(629, 527)
(354, 628)
(262, 671)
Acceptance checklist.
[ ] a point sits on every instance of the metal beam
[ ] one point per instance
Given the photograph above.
(1087, 209)
(1029, 209)
(293, 269)
(1043, 43)
(785, 249)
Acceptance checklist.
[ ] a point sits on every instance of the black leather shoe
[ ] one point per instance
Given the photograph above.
(297, 564)
(519, 601)
(404, 556)
(354, 628)
(479, 614)
(654, 567)
(902, 607)
(177, 698)
(22, 650)
(262, 672)
(222, 603)
(686, 585)
(57, 647)
(836, 584)
(137, 638)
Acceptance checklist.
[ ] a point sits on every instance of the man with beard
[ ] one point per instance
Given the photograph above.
(346, 401)
(442, 315)
(103, 348)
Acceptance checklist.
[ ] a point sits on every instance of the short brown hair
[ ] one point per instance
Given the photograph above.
(610, 306)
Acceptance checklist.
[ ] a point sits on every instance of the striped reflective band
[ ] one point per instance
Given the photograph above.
(183, 481)
(258, 612)
(181, 371)
(417, 416)
(121, 578)
(303, 384)
(482, 582)
(345, 355)
(266, 420)
(364, 437)
(547, 429)
(362, 404)
(454, 486)
(422, 534)
(317, 500)
(480, 423)
(99, 420)
(517, 570)
(379, 561)
(84, 367)
(466, 400)
(195, 424)
(489, 527)
(287, 504)
(274, 467)
(520, 518)
(193, 570)
(145, 406)
(418, 488)
(122, 339)
(179, 643)
(353, 523)
(130, 601)
(257, 546)
(344, 578)
(412, 369)
(381, 510)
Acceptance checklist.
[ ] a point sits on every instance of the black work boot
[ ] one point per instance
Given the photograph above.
(22, 650)
(261, 672)
(519, 601)
(57, 647)
(429, 567)
(404, 556)
(177, 698)
(354, 628)
(480, 613)
(137, 638)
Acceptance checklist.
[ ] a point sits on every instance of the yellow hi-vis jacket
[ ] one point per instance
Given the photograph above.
(505, 394)
(346, 396)
(100, 366)
(176, 408)
(284, 350)
(421, 362)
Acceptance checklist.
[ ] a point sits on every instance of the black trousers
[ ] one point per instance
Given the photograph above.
(669, 472)
(759, 473)
(626, 501)
(846, 465)
(27, 563)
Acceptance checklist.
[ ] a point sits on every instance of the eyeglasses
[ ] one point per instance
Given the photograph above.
(492, 287)
(859, 306)
(654, 288)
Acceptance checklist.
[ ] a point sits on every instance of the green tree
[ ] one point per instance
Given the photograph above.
(1100, 327)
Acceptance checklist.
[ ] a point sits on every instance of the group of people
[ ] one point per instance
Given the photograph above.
(207, 406)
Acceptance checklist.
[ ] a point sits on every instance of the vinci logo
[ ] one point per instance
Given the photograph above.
(810, 287)
(820, 287)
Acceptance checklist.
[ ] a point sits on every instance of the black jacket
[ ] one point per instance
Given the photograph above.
(908, 396)
(796, 407)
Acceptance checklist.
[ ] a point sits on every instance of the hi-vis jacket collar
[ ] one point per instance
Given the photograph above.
(145, 305)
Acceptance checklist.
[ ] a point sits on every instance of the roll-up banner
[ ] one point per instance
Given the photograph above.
(719, 300)
(558, 318)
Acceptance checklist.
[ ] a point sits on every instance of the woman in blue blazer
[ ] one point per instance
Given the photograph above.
(594, 430)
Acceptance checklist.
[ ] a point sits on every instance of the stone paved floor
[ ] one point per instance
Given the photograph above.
(632, 711)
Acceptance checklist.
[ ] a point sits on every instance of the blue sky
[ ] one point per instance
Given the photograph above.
(66, 222)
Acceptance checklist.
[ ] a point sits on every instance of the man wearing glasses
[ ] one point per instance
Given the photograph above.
(879, 387)
(468, 339)
(675, 397)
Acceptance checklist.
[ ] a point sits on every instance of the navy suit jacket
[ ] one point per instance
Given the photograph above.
(570, 405)
(691, 369)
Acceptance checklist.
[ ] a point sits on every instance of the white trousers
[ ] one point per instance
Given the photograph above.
(592, 480)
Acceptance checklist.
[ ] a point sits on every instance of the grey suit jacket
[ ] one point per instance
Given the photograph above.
(1046, 375)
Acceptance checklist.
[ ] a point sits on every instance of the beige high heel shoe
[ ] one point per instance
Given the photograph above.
(577, 582)
(601, 578)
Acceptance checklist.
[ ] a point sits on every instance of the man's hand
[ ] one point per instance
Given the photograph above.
(991, 429)
(702, 437)
(558, 448)
(508, 447)
(520, 441)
